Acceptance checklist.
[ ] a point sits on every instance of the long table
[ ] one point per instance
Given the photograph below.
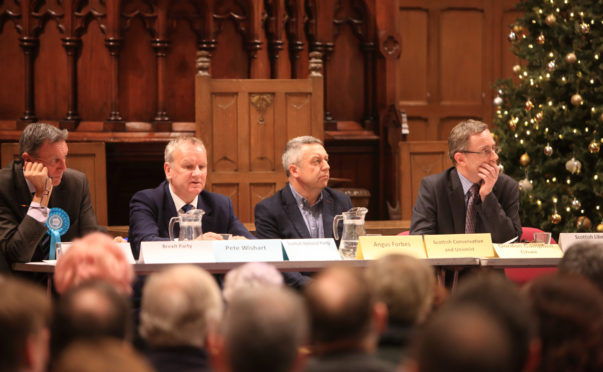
(441, 265)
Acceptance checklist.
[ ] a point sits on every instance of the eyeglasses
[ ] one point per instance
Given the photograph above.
(486, 152)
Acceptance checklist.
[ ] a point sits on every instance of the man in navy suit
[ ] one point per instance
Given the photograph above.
(185, 172)
(305, 207)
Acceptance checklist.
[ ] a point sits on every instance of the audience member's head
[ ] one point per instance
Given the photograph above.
(95, 256)
(569, 310)
(180, 307)
(263, 330)
(251, 275)
(101, 355)
(586, 259)
(500, 298)
(463, 338)
(342, 313)
(25, 312)
(89, 311)
(405, 284)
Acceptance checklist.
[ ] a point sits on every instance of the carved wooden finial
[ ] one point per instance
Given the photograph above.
(315, 63)
(203, 62)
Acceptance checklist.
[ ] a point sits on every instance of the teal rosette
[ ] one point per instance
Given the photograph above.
(58, 224)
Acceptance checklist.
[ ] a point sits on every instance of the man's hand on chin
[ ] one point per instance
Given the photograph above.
(488, 172)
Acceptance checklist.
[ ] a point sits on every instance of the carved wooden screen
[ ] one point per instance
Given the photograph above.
(419, 159)
(245, 124)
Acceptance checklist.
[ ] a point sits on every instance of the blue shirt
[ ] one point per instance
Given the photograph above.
(312, 214)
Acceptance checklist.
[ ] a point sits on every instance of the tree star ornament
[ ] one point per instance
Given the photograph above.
(529, 105)
(594, 147)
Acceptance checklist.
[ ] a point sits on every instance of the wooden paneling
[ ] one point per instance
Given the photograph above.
(245, 124)
(419, 159)
(88, 158)
(124, 70)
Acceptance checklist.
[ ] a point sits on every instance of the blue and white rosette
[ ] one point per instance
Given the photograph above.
(58, 224)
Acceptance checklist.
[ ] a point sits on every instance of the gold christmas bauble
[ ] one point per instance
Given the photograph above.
(517, 28)
(556, 218)
(600, 227)
(573, 166)
(525, 185)
(540, 39)
(576, 99)
(516, 69)
(529, 105)
(524, 159)
(548, 150)
(550, 19)
(594, 147)
(571, 58)
(583, 223)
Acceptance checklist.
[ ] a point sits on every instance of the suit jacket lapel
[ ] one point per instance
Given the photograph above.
(328, 213)
(457, 202)
(293, 213)
(169, 208)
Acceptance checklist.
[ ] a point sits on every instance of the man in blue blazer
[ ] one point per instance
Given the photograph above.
(185, 172)
(305, 207)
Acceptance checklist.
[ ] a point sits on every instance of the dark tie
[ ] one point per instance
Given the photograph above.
(470, 217)
(186, 207)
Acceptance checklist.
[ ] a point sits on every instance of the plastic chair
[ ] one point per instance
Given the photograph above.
(521, 276)
(407, 232)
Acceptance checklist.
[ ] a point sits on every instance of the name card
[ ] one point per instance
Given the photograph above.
(194, 251)
(63, 247)
(528, 250)
(459, 245)
(567, 239)
(374, 247)
(311, 249)
(262, 250)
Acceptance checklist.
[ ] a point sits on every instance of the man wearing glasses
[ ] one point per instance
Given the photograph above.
(472, 196)
(36, 186)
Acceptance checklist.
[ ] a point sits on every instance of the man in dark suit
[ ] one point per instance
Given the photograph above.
(472, 196)
(304, 208)
(30, 186)
(185, 172)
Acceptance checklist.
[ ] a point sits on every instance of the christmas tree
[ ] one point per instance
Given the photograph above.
(549, 119)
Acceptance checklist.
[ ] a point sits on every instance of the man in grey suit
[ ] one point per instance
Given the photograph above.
(471, 197)
(305, 207)
(31, 186)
